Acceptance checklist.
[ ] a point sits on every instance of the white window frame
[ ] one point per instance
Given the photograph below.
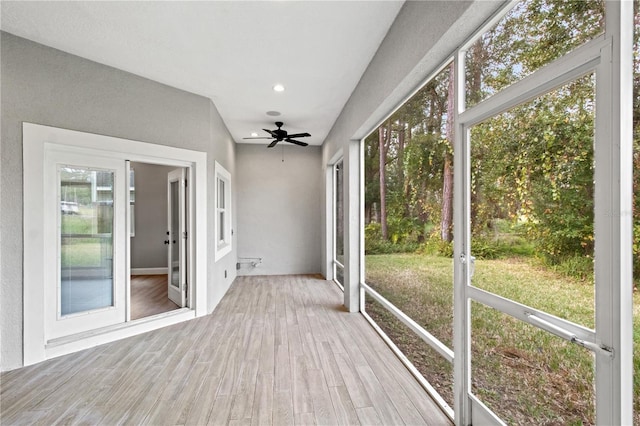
(612, 340)
(132, 203)
(445, 352)
(329, 196)
(334, 190)
(223, 240)
(610, 57)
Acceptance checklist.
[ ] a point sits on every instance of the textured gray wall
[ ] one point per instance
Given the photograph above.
(223, 150)
(46, 86)
(147, 246)
(279, 208)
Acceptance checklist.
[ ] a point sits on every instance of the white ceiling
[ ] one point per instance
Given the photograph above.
(230, 51)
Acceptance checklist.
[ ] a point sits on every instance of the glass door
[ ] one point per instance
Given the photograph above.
(86, 288)
(176, 236)
(338, 223)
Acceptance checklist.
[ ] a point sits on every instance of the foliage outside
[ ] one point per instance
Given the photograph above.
(508, 355)
(532, 194)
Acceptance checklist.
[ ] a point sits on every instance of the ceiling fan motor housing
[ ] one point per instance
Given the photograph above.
(280, 135)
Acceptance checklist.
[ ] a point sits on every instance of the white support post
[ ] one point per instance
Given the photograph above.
(128, 225)
(352, 225)
(329, 221)
(461, 251)
(613, 219)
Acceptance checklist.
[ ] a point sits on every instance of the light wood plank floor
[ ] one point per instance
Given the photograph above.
(149, 296)
(278, 350)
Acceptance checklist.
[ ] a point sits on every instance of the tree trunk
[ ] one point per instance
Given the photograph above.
(446, 221)
(408, 179)
(383, 186)
(478, 55)
(432, 115)
(400, 164)
(401, 134)
(447, 200)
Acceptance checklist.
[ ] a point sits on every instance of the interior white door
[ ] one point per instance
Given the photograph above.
(176, 236)
(86, 286)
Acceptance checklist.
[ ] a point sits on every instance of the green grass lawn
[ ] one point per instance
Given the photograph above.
(79, 224)
(83, 253)
(526, 375)
(83, 249)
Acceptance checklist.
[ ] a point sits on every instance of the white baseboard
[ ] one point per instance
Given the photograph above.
(148, 271)
(70, 344)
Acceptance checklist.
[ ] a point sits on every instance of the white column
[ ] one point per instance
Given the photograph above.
(329, 197)
(613, 219)
(352, 226)
(461, 252)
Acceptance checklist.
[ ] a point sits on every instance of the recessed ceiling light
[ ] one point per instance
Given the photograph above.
(254, 134)
(278, 88)
(273, 113)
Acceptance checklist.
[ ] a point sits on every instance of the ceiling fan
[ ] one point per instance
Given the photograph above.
(280, 135)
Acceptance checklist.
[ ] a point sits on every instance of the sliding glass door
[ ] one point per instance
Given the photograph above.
(85, 269)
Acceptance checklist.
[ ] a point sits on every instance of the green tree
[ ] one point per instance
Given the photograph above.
(534, 164)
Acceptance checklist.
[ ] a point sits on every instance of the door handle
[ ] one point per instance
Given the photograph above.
(166, 241)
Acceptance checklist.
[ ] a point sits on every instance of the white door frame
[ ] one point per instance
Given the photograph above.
(612, 340)
(177, 294)
(610, 56)
(37, 347)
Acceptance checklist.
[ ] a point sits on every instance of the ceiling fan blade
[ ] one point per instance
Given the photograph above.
(272, 144)
(296, 142)
(299, 135)
(271, 132)
(258, 138)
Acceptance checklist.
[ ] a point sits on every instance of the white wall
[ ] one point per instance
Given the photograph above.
(223, 150)
(46, 86)
(147, 246)
(279, 208)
